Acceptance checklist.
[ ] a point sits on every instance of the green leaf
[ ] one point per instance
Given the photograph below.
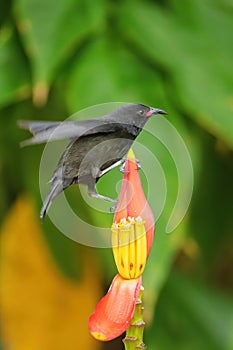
(4, 15)
(191, 316)
(51, 30)
(195, 51)
(159, 264)
(211, 215)
(108, 72)
(15, 77)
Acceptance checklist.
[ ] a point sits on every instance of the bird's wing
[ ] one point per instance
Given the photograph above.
(51, 131)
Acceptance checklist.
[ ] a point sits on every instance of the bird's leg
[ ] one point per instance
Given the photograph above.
(97, 195)
(100, 196)
(93, 193)
(119, 162)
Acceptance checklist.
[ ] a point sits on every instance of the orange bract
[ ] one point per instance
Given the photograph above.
(132, 201)
(115, 310)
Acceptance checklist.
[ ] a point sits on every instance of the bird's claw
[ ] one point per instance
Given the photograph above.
(138, 164)
(113, 208)
(122, 168)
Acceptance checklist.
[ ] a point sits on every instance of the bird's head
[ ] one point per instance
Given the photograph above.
(145, 111)
(134, 114)
(138, 114)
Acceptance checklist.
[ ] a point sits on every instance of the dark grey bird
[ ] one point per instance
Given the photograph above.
(97, 146)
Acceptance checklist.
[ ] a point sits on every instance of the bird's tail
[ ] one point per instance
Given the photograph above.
(42, 131)
(56, 188)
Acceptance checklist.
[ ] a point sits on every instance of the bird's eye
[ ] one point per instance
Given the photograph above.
(141, 112)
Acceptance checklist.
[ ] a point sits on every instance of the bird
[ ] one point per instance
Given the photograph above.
(96, 146)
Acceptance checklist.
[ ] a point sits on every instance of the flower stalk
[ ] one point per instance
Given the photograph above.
(134, 334)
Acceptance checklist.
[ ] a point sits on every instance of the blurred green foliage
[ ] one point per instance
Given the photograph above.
(57, 57)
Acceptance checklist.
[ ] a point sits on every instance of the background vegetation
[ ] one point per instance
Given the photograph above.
(57, 57)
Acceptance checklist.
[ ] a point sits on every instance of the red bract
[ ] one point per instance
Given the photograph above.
(115, 310)
(132, 201)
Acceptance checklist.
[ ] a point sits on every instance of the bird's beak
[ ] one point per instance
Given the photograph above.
(153, 111)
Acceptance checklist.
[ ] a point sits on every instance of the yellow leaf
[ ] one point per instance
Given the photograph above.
(41, 309)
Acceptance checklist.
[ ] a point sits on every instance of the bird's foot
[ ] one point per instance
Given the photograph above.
(122, 168)
(138, 164)
(113, 208)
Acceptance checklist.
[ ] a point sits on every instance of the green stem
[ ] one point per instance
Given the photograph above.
(134, 334)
